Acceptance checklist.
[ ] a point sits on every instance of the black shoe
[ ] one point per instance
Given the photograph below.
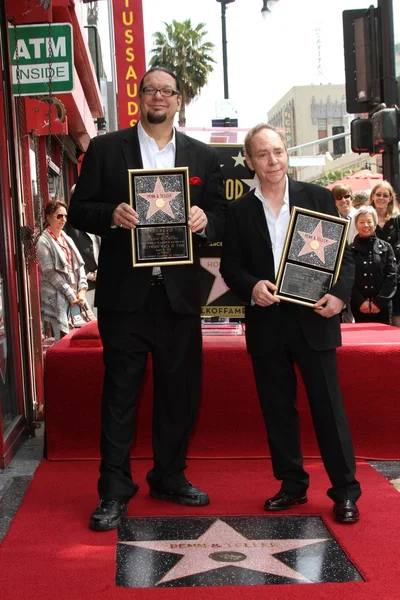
(107, 515)
(346, 512)
(186, 494)
(284, 500)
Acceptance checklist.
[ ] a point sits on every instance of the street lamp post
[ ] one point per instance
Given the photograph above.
(265, 10)
(224, 45)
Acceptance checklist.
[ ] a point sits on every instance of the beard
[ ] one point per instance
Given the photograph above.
(154, 119)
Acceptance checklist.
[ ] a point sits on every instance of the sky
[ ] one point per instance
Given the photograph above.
(299, 43)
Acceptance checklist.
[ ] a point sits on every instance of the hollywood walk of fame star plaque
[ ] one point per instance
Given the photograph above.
(311, 257)
(179, 552)
(161, 199)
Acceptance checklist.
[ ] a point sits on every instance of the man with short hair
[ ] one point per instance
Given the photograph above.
(279, 334)
(360, 198)
(142, 310)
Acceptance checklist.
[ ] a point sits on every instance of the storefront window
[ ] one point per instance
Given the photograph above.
(8, 401)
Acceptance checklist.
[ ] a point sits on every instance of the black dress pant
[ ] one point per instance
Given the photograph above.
(276, 384)
(174, 341)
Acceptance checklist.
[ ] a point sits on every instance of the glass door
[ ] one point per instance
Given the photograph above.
(15, 388)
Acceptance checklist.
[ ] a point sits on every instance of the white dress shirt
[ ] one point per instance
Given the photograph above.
(154, 158)
(352, 227)
(96, 246)
(277, 225)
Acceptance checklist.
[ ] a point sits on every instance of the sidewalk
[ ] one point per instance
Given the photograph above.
(15, 478)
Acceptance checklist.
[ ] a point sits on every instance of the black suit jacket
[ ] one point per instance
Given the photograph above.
(103, 184)
(247, 258)
(84, 244)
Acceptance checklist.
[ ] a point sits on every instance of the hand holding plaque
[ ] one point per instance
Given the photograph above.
(312, 256)
(161, 200)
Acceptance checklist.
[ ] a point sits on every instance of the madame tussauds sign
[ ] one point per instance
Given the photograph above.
(42, 59)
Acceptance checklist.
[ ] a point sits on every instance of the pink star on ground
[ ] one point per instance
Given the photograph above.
(222, 538)
(219, 287)
(159, 199)
(315, 242)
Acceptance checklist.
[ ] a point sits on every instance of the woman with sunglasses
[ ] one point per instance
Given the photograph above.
(383, 199)
(62, 269)
(343, 199)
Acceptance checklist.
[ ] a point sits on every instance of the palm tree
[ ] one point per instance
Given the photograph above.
(182, 50)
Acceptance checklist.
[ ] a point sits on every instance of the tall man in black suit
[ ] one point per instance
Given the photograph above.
(142, 310)
(279, 334)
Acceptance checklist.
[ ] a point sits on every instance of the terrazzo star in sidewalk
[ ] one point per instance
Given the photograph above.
(221, 545)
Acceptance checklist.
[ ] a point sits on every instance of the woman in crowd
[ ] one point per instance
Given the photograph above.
(383, 199)
(376, 271)
(63, 277)
(343, 199)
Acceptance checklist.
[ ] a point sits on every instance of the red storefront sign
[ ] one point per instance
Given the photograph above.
(129, 57)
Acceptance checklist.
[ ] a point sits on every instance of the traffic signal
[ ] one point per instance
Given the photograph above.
(339, 145)
(386, 126)
(370, 135)
(361, 59)
(361, 136)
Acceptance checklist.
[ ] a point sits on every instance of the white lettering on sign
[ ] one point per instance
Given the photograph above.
(41, 73)
(40, 48)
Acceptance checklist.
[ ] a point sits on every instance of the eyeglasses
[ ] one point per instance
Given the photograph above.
(344, 197)
(166, 92)
(61, 216)
(382, 195)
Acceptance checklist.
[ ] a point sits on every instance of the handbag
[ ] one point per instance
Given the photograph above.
(85, 315)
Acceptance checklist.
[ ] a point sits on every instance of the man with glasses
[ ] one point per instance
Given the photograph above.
(142, 310)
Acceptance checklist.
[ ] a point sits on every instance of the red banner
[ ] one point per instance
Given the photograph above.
(129, 57)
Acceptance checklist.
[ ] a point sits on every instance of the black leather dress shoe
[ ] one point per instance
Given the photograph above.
(107, 515)
(284, 500)
(346, 512)
(187, 494)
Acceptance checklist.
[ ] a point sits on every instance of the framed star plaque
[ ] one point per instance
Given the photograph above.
(161, 199)
(311, 257)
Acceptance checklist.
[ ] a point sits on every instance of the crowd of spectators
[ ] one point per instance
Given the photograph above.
(374, 236)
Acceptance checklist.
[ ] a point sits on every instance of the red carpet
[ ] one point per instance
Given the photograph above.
(368, 366)
(50, 554)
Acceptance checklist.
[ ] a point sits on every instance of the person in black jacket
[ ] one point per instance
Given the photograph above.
(88, 245)
(148, 309)
(282, 334)
(383, 199)
(376, 271)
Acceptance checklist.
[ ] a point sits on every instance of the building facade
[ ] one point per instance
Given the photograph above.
(314, 112)
(46, 130)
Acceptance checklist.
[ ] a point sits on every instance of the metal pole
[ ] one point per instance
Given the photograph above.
(224, 49)
(113, 65)
(96, 50)
(390, 158)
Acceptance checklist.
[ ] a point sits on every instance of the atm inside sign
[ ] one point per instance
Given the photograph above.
(42, 59)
